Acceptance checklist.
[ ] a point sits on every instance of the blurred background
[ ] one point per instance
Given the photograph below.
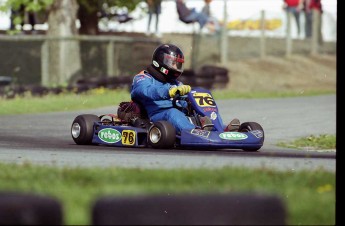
(61, 43)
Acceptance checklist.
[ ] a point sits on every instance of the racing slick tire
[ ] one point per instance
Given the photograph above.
(249, 126)
(82, 128)
(161, 134)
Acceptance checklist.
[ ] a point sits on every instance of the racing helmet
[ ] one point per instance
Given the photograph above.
(168, 60)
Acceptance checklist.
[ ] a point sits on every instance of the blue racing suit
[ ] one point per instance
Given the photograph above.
(154, 96)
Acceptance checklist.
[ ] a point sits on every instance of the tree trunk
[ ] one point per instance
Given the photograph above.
(64, 55)
(88, 21)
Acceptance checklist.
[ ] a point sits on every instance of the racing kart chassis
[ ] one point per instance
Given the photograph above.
(140, 132)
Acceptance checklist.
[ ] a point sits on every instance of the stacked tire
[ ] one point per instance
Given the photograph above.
(220, 76)
(104, 81)
(208, 77)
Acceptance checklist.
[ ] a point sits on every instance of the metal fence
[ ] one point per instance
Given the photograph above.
(24, 57)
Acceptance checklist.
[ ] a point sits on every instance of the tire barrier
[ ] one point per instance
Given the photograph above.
(176, 209)
(188, 77)
(29, 209)
(221, 76)
(208, 76)
(204, 79)
(234, 209)
(5, 80)
(8, 90)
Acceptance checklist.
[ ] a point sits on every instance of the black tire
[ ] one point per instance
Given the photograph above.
(190, 209)
(188, 77)
(214, 69)
(5, 80)
(204, 79)
(161, 134)
(220, 81)
(82, 128)
(249, 126)
(29, 209)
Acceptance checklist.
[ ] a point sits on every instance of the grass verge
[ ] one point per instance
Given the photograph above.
(309, 197)
(320, 142)
(102, 97)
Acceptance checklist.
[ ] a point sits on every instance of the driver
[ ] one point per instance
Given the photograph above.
(155, 87)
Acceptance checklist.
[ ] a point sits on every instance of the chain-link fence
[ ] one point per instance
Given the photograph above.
(22, 60)
(23, 57)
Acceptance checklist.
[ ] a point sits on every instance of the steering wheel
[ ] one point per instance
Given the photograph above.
(175, 99)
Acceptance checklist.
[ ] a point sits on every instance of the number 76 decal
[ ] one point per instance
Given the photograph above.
(128, 137)
(204, 99)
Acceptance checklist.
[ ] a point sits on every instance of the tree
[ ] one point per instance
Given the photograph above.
(64, 56)
(19, 7)
(91, 10)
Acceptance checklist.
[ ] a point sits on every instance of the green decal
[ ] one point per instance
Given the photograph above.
(109, 135)
(233, 136)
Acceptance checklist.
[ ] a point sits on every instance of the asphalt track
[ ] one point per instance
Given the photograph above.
(45, 139)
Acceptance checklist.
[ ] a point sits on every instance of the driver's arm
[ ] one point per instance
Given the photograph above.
(143, 87)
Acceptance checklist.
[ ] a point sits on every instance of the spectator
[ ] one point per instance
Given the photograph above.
(32, 21)
(190, 15)
(311, 6)
(294, 7)
(16, 15)
(20, 14)
(206, 9)
(154, 7)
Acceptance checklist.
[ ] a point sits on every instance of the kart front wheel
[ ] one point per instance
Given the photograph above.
(82, 128)
(161, 134)
(250, 126)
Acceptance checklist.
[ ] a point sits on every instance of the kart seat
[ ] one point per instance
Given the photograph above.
(129, 110)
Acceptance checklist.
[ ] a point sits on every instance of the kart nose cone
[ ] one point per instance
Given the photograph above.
(75, 130)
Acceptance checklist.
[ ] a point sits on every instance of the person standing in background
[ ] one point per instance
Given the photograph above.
(309, 7)
(154, 7)
(206, 9)
(294, 7)
(21, 14)
(17, 14)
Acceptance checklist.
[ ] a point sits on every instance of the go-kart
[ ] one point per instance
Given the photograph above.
(112, 130)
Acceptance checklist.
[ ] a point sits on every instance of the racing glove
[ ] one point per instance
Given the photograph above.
(182, 90)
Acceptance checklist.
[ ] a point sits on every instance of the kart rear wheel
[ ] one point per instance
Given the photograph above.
(82, 128)
(250, 126)
(161, 134)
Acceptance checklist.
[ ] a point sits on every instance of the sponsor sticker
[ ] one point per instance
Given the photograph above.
(128, 137)
(257, 133)
(233, 136)
(165, 71)
(204, 99)
(109, 135)
(213, 115)
(138, 79)
(199, 132)
(155, 63)
(208, 109)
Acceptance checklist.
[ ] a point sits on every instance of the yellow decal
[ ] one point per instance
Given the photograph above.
(204, 99)
(128, 137)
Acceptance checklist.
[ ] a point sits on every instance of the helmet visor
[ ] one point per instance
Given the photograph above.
(173, 62)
